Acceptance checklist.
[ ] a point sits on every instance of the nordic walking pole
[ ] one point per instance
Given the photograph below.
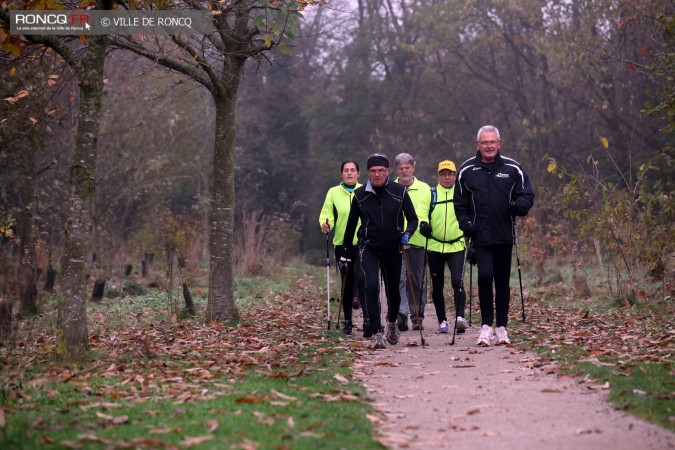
(470, 291)
(424, 272)
(471, 282)
(520, 277)
(328, 273)
(407, 271)
(461, 289)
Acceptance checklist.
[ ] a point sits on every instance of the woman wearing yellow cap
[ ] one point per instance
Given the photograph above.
(445, 246)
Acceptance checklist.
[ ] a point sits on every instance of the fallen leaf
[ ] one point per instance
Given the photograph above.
(341, 379)
(212, 425)
(249, 400)
(192, 441)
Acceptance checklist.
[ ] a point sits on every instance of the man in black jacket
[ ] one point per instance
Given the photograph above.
(381, 205)
(491, 191)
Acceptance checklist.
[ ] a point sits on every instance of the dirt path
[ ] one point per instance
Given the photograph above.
(463, 396)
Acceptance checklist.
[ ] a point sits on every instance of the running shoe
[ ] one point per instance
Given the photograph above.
(462, 324)
(502, 336)
(486, 336)
(378, 341)
(392, 333)
(443, 327)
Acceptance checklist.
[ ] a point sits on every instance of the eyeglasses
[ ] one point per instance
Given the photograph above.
(489, 142)
(377, 171)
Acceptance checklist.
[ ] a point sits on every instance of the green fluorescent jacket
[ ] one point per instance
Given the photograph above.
(420, 194)
(444, 224)
(336, 210)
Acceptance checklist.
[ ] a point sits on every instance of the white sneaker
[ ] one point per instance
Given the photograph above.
(378, 341)
(486, 336)
(502, 336)
(443, 327)
(462, 324)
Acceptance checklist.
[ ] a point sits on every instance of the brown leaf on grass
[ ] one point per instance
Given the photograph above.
(599, 387)
(335, 398)
(282, 396)
(104, 416)
(263, 418)
(341, 379)
(212, 425)
(2, 417)
(165, 430)
(115, 420)
(192, 441)
(249, 399)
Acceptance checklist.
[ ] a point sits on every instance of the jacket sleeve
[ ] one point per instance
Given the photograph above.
(462, 203)
(523, 196)
(410, 215)
(327, 211)
(352, 222)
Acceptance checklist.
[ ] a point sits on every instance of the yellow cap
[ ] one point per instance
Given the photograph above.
(447, 165)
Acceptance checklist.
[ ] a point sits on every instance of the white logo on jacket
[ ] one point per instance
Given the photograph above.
(503, 175)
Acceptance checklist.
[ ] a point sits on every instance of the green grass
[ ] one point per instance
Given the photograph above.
(272, 412)
(555, 308)
(299, 405)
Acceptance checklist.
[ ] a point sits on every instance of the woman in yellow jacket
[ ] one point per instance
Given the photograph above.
(334, 215)
(445, 246)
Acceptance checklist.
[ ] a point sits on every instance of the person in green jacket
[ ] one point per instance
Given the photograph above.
(446, 246)
(334, 214)
(420, 194)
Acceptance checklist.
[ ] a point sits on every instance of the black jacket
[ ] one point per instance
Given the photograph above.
(381, 211)
(487, 196)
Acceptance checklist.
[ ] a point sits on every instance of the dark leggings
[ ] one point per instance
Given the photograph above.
(494, 265)
(389, 263)
(455, 262)
(347, 277)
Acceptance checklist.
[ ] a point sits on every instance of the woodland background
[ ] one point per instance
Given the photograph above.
(582, 92)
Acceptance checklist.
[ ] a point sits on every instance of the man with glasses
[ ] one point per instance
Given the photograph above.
(491, 190)
(382, 205)
(446, 247)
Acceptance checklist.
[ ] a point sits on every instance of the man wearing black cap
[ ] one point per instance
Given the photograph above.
(381, 205)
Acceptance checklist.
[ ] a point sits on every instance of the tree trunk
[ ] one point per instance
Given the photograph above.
(5, 319)
(72, 323)
(28, 254)
(99, 289)
(220, 304)
(50, 281)
(189, 304)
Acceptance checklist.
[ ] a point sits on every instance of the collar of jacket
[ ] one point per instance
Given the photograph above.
(440, 189)
(498, 160)
(370, 188)
(414, 185)
(344, 186)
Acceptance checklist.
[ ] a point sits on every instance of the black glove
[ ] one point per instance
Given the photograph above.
(471, 254)
(469, 230)
(517, 210)
(425, 229)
